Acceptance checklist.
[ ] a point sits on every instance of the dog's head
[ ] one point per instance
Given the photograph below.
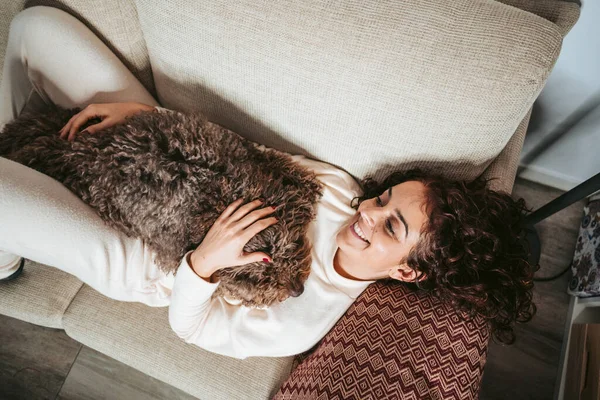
(253, 287)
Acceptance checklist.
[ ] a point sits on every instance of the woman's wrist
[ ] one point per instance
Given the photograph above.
(195, 266)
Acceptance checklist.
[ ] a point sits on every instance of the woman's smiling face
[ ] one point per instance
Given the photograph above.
(382, 233)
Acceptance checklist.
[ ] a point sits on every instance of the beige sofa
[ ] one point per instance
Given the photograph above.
(368, 86)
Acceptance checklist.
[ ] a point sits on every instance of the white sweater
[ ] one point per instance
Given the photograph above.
(285, 328)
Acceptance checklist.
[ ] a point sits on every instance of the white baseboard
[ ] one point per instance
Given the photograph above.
(549, 177)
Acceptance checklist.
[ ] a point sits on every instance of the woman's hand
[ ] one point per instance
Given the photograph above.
(224, 243)
(110, 113)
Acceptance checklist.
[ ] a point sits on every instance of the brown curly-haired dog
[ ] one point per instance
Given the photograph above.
(165, 177)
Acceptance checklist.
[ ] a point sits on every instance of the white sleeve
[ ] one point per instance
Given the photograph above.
(231, 330)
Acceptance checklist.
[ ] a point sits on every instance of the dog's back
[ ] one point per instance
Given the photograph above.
(33, 140)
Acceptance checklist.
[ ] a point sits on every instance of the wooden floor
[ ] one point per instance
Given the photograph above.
(44, 363)
(528, 368)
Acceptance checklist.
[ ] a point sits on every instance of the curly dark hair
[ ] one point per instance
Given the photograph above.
(472, 251)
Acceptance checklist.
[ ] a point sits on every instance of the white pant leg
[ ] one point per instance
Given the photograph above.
(51, 52)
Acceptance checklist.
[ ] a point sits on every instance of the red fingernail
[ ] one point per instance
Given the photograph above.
(266, 260)
(274, 208)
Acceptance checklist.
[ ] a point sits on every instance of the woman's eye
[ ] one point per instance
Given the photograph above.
(388, 224)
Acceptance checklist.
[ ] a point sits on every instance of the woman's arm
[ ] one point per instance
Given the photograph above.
(231, 330)
(214, 324)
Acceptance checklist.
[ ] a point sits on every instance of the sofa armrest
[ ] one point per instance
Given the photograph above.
(504, 167)
(564, 14)
(8, 10)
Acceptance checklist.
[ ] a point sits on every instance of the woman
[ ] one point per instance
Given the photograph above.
(457, 239)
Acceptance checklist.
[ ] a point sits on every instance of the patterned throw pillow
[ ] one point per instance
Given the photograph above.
(586, 260)
(393, 343)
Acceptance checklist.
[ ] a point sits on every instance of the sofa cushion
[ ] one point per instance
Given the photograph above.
(370, 88)
(40, 295)
(394, 342)
(140, 336)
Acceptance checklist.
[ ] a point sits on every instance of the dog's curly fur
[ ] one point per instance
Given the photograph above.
(165, 177)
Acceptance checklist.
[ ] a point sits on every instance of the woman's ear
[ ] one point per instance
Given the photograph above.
(404, 273)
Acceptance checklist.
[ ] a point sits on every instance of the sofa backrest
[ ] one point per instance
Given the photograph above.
(367, 86)
(370, 87)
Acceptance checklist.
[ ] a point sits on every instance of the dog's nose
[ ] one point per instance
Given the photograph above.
(295, 292)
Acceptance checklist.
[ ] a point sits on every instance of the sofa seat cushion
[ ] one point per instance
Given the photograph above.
(370, 88)
(140, 336)
(40, 295)
(394, 342)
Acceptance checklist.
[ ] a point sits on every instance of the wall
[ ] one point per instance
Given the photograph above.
(572, 89)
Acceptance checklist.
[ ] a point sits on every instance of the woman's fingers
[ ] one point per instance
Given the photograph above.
(244, 216)
(243, 210)
(254, 216)
(98, 127)
(257, 256)
(72, 127)
(230, 209)
(223, 245)
(256, 227)
(65, 130)
(81, 119)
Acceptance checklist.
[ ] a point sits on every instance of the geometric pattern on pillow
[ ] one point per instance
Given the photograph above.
(393, 342)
